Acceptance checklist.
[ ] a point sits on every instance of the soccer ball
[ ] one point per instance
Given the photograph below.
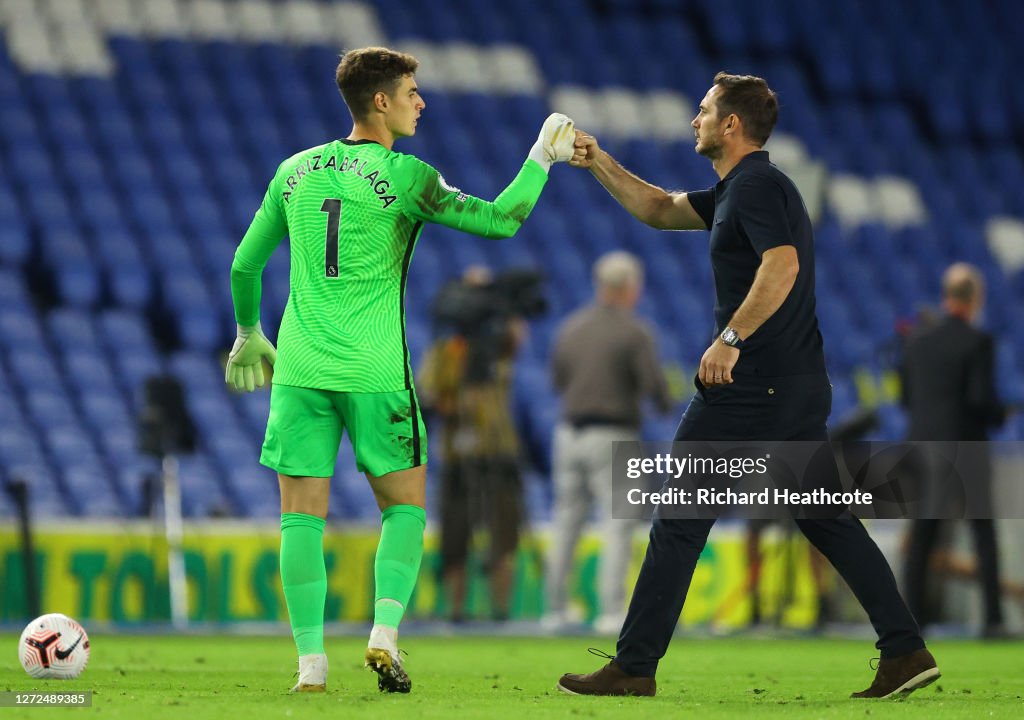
(54, 646)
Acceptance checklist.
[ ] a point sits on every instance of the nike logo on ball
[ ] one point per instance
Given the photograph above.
(63, 654)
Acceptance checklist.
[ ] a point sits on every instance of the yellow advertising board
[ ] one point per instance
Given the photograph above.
(118, 573)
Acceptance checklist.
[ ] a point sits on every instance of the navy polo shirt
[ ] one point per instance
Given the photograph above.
(753, 209)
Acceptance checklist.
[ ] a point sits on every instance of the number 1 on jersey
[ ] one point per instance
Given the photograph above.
(332, 206)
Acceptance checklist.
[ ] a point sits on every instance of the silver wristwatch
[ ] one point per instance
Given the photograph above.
(731, 338)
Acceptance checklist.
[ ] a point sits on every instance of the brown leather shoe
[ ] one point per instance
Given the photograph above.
(609, 680)
(898, 677)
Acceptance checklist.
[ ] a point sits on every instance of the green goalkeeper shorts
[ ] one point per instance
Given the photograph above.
(305, 426)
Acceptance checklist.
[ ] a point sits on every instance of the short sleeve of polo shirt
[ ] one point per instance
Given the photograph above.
(760, 209)
(703, 203)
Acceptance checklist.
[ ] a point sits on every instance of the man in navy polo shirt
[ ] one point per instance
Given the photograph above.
(762, 378)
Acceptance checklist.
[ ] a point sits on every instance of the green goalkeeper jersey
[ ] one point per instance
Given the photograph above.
(353, 211)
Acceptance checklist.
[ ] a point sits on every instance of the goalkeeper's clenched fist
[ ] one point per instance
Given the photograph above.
(244, 370)
(555, 142)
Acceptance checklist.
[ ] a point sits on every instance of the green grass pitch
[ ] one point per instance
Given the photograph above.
(200, 677)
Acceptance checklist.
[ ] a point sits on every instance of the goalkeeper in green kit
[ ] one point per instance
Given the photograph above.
(353, 210)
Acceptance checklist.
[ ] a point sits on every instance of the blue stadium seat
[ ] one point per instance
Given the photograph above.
(893, 424)
(33, 368)
(61, 430)
(201, 493)
(130, 286)
(72, 329)
(19, 328)
(15, 242)
(31, 163)
(130, 478)
(113, 236)
(231, 448)
(125, 330)
(352, 496)
(254, 488)
(254, 408)
(119, 444)
(17, 125)
(82, 165)
(199, 330)
(114, 131)
(7, 508)
(79, 285)
(19, 446)
(89, 491)
(86, 371)
(45, 496)
(99, 210)
(9, 408)
(103, 410)
(185, 288)
(134, 367)
(213, 411)
(132, 172)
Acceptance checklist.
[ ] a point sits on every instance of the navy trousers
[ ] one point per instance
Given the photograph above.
(790, 408)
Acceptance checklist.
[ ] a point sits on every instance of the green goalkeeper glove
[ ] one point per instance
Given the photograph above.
(556, 142)
(244, 370)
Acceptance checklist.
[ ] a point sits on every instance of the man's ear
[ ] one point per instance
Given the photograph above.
(381, 101)
(731, 123)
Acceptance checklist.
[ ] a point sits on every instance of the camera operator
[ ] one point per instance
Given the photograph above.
(465, 381)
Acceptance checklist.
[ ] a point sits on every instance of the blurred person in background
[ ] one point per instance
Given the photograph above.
(465, 381)
(788, 555)
(353, 210)
(604, 365)
(762, 378)
(948, 381)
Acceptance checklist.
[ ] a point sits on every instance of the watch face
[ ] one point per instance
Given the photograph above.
(729, 336)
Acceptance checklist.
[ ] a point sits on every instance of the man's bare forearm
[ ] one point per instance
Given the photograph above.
(646, 202)
(772, 285)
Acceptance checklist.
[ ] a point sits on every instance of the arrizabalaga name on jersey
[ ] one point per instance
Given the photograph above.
(381, 186)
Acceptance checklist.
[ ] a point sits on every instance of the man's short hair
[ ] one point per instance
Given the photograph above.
(750, 98)
(962, 282)
(363, 73)
(617, 269)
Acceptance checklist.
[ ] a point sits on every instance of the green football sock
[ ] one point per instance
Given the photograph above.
(304, 578)
(397, 564)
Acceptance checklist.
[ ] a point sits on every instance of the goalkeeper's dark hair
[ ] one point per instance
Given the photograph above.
(750, 99)
(363, 73)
